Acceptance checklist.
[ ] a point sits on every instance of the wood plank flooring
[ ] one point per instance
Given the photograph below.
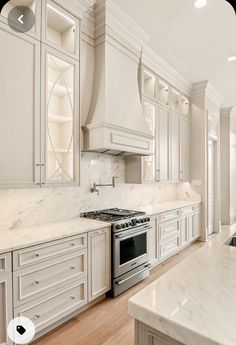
(108, 322)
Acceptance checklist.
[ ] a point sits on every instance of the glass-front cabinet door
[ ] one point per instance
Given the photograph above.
(60, 127)
(149, 166)
(60, 29)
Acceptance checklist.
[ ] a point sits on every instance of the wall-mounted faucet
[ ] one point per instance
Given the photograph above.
(94, 188)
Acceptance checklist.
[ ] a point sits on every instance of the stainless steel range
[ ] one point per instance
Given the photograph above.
(129, 246)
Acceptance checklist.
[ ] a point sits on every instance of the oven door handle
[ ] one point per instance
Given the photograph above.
(140, 231)
(133, 275)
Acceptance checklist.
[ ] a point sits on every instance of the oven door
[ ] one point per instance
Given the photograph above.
(130, 249)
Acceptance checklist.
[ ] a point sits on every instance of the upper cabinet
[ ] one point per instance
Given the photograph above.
(166, 112)
(39, 85)
(60, 29)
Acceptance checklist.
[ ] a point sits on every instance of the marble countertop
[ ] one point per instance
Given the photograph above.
(24, 237)
(195, 302)
(167, 206)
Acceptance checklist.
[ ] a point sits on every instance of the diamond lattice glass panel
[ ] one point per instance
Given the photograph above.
(149, 162)
(60, 110)
(61, 28)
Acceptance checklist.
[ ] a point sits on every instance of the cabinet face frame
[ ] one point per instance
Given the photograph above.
(36, 162)
(65, 12)
(76, 118)
(6, 283)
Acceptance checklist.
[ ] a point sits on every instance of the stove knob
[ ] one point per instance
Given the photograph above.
(123, 226)
(127, 225)
(148, 219)
(130, 223)
(138, 221)
(134, 222)
(118, 226)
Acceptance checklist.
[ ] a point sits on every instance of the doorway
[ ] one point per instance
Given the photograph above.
(211, 185)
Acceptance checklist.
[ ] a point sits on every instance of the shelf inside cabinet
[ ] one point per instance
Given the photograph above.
(149, 84)
(61, 27)
(163, 92)
(59, 118)
(150, 115)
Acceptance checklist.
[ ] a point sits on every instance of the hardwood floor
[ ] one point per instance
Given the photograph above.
(108, 322)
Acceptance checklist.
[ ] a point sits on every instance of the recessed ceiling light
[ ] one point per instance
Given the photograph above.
(200, 3)
(232, 58)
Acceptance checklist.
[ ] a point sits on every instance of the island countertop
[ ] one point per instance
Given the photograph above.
(195, 302)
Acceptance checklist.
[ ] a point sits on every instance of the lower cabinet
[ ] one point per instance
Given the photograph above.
(5, 307)
(172, 231)
(99, 263)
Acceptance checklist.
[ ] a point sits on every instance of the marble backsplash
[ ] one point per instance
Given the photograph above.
(28, 207)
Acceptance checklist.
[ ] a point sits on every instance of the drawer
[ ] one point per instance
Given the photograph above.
(36, 254)
(186, 211)
(53, 307)
(5, 263)
(32, 282)
(168, 215)
(169, 247)
(169, 229)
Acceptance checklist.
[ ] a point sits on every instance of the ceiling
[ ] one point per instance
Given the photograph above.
(196, 42)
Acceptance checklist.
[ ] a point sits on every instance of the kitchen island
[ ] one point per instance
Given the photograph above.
(194, 303)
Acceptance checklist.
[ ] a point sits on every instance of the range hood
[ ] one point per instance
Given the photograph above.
(116, 121)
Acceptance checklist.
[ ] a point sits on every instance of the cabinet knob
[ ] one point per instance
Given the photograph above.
(72, 297)
(72, 244)
(73, 267)
(36, 317)
(36, 255)
(36, 282)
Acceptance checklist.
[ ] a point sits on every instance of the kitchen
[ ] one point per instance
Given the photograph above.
(117, 164)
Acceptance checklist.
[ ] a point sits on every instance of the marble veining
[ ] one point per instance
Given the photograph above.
(29, 236)
(29, 207)
(194, 302)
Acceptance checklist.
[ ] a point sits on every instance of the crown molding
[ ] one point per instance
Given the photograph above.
(206, 89)
(154, 62)
(107, 14)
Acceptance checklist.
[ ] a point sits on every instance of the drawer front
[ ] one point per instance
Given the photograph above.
(169, 247)
(168, 215)
(186, 211)
(45, 311)
(32, 282)
(36, 254)
(168, 229)
(5, 263)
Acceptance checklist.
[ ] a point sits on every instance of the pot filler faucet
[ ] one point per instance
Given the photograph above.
(94, 188)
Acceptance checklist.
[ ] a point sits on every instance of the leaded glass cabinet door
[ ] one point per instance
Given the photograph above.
(149, 165)
(61, 120)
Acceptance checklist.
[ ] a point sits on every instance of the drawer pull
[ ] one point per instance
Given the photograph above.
(72, 267)
(36, 282)
(72, 244)
(72, 297)
(36, 255)
(36, 317)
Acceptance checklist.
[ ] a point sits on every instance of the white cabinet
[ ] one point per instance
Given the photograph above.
(153, 240)
(162, 144)
(39, 87)
(174, 151)
(99, 263)
(20, 109)
(5, 297)
(197, 222)
(184, 148)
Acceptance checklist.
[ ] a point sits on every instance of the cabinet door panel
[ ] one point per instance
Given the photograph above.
(184, 149)
(174, 147)
(5, 307)
(61, 118)
(162, 144)
(20, 110)
(99, 259)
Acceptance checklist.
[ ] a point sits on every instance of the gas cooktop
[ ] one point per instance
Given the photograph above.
(112, 214)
